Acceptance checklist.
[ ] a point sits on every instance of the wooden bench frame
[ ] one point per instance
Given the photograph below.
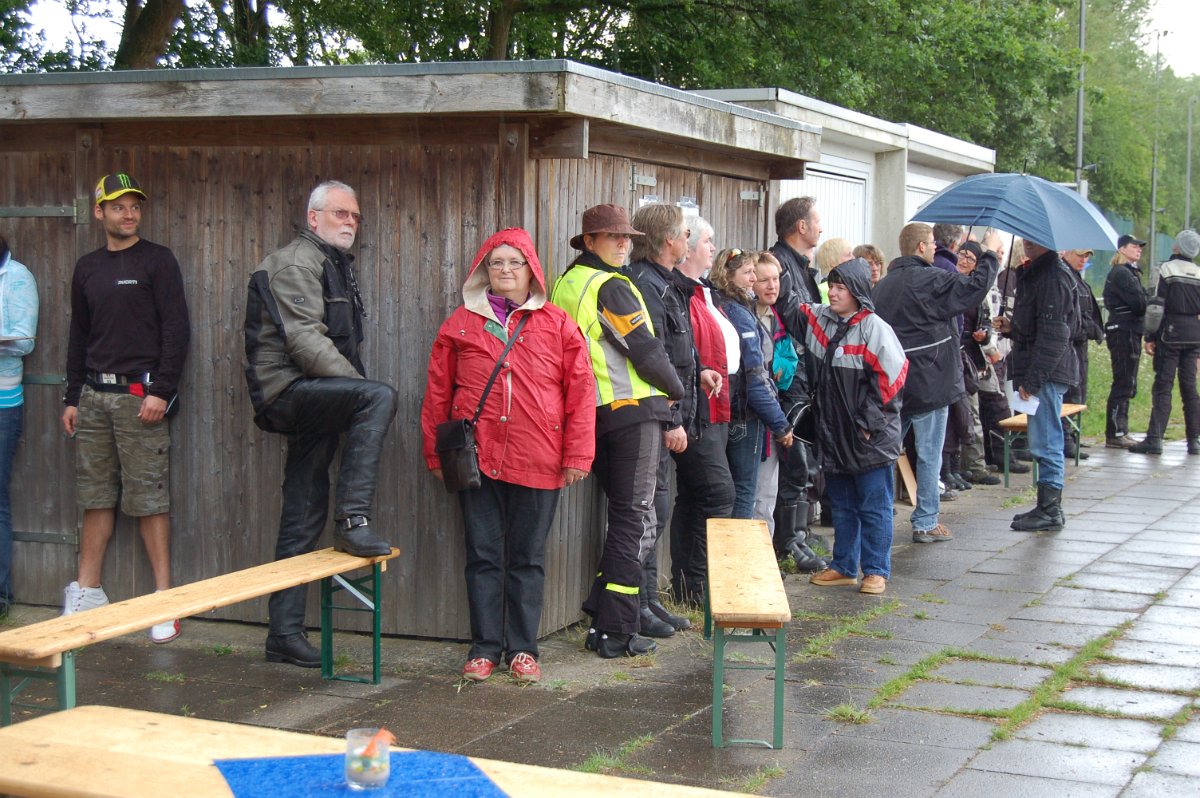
(744, 591)
(1072, 416)
(45, 651)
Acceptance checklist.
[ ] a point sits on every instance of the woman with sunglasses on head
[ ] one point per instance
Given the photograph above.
(754, 400)
(535, 434)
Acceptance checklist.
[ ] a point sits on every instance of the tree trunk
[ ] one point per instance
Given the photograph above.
(500, 20)
(146, 31)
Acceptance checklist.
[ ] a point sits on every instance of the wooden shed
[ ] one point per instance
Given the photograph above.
(441, 156)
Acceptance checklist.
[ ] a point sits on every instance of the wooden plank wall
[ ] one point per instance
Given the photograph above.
(222, 196)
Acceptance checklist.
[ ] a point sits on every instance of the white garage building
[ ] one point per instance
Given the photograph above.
(872, 174)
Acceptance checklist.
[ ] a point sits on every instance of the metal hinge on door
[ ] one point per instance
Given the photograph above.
(636, 180)
(753, 196)
(79, 212)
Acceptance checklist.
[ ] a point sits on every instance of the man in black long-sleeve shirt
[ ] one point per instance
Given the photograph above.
(1125, 301)
(128, 341)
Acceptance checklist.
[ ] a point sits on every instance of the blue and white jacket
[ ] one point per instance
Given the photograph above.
(18, 326)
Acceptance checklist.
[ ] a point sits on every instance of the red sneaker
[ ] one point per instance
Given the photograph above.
(478, 669)
(524, 668)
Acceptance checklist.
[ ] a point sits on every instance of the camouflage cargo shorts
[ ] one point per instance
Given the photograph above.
(118, 455)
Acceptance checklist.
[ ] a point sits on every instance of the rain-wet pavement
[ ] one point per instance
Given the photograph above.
(998, 663)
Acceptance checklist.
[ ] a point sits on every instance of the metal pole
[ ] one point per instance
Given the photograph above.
(1154, 158)
(1187, 193)
(1079, 101)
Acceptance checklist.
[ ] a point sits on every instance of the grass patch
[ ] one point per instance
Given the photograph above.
(554, 684)
(164, 677)
(787, 566)
(1024, 497)
(755, 781)
(886, 661)
(645, 661)
(921, 615)
(606, 762)
(930, 598)
(221, 650)
(822, 645)
(739, 656)
(1053, 686)
(848, 713)
(343, 662)
(620, 676)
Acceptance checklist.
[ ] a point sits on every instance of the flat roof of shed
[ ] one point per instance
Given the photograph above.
(553, 88)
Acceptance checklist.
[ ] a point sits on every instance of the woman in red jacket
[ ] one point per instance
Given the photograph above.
(535, 434)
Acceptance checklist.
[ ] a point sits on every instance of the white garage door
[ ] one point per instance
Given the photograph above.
(841, 201)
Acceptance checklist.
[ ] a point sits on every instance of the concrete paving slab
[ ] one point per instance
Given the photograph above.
(994, 674)
(1147, 585)
(1168, 573)
(1174, 616)
(1039, 567)
(959, 613)
(1156, 652)
(1119, 734)
(1183, 547)
(999, 599)
(1056, 554)
(1056, 761)
(1144, 559)
(1177, 597)
(976, 783)
(959, 698)
(1179, 757)
(947, 633)
(1160, 785)
(1161, 632)
(1095, 599)
(675, 700)
(1129, 703)
(819, 699)
(1078, 615)
(1017, 583)
(872, 649)
(844, 672)
(1189, 732)
(1023, 651)
(1069, 634)
(858, 767)
(1167, 678)
(922, 728)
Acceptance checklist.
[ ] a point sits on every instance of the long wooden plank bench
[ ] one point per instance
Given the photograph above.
(1072, 416)
(744, 592)
(46, 650)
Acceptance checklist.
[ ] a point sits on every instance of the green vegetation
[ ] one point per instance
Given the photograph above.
(221, 650)
(848, 713)
(164, 677)
(756, 780)
(605, 762)
(822, 645)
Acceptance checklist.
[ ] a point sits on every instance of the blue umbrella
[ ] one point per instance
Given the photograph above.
(1024, 205)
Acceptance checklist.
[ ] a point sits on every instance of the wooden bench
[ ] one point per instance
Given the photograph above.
(745, 591)
(46, 650)
(1072, 415)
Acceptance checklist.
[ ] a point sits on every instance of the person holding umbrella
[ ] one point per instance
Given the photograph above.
(1043, 322)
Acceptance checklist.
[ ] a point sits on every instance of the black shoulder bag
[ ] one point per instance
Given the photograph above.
(456, 439)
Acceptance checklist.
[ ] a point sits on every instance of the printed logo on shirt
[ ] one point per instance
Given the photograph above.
(127, 282)
(299, 300)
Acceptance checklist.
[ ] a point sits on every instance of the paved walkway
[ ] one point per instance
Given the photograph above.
(1000, 663)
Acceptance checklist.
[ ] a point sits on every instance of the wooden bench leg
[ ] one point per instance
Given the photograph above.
(365, 590)
(1007, 454)
(718, 704)
(780, 669)
(13, 680)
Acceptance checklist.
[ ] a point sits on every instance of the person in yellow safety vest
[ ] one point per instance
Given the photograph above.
(634, 384)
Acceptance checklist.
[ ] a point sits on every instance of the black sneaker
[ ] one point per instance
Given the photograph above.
(294, 649)
(981, 478)
(1193, 445)
(1017, 467)
(678, 622)
(651, 625)
(610, 646)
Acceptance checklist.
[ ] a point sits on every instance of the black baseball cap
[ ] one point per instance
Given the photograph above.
(117, 185)
(1127, 239)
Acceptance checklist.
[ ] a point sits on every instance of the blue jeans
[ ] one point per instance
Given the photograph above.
(862, 521)
(11, 421)
(1046, 435)
(929, 430)
(744, 451)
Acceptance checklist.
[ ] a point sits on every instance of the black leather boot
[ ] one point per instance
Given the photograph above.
(294, 649)
(353, 535)
(651, 625)
(1047, 516)
(1193, 445)
(610, 646)
(1147, 445)
(678, 622)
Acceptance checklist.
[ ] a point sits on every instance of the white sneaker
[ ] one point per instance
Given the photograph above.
(77, 599)
(164, 632)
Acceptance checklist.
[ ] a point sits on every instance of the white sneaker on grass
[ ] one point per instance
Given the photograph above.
(78, 599)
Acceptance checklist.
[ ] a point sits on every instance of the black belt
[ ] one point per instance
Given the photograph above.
(103, 378)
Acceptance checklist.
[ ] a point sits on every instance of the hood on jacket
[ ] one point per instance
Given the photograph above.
(476, 286)
(856, 275)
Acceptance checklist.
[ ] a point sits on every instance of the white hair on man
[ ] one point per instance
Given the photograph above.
(316, 200)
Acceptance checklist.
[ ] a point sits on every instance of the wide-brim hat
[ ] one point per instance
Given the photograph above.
(604, 219)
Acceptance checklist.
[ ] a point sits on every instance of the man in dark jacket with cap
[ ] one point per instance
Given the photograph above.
(921, 302)
(1044, 320)
(1091, 328)
(1125, 301)
(1173, 339)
